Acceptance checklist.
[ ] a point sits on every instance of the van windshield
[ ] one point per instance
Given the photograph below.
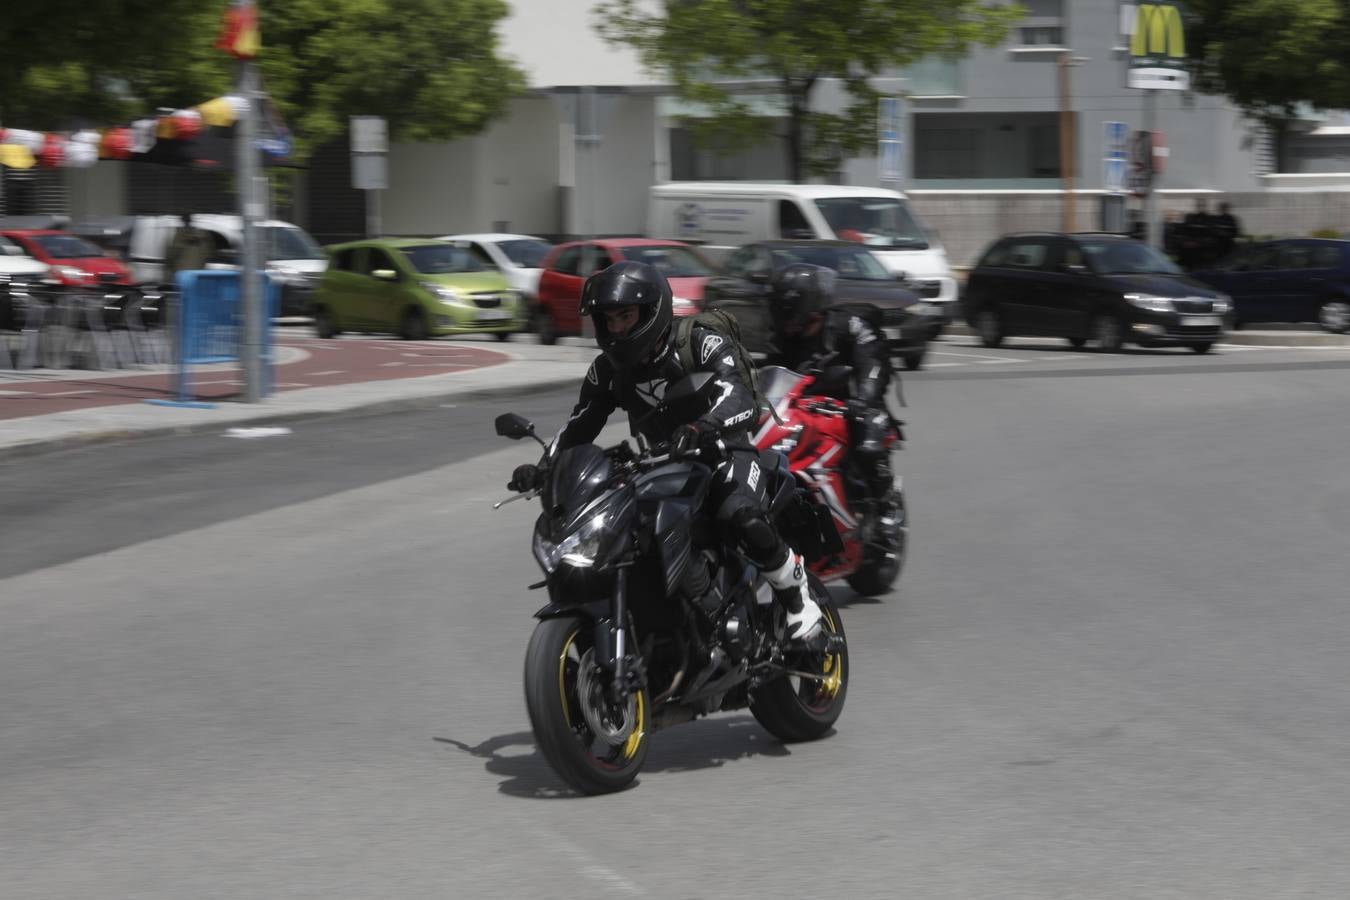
(280, 242)
(881, 222)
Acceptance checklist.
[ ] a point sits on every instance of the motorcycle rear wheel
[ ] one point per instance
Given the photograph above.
(558, 672)
(793, 708)
(878, 570)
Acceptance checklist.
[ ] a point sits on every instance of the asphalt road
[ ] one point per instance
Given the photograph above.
(291, 667)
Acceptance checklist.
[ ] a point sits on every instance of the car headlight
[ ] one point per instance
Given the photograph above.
(578, 549)
(73, 273)
(1150, 302)
(440, 292)
(1223, 304)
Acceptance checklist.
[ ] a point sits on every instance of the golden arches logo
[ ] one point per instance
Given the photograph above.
(1158, 31)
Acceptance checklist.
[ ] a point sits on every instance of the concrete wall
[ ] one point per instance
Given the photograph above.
(968, 223)
(518, 170)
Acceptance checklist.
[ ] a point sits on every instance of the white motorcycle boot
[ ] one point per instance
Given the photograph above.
(789, 587)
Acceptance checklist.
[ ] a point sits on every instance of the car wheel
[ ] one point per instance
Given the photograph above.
(1108, 333)
(413, 326)
(1334, 316)
(544, 326)
(324, 324)
(990, 326)
(1078, 343)
(502, 336)
(1202, 346)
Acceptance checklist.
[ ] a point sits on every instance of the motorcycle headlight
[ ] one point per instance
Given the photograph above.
(1150, 302)
(578, 549)
(440, 292)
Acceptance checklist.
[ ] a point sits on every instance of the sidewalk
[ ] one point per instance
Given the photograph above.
(41, 410)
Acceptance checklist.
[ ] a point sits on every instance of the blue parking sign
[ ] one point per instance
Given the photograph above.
(1116, 133)
(1113, 175)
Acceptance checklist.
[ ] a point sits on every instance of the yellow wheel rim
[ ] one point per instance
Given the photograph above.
(630, 746)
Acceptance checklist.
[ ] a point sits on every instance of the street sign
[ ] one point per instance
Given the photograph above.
(370, 134)
(890, 139)
(1141, 162)
(1115, 141)
(1157, 59)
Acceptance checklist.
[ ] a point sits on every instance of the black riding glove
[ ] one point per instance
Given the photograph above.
(525, 478)
(692, 437)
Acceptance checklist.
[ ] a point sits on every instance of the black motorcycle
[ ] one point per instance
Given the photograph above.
(652, 620)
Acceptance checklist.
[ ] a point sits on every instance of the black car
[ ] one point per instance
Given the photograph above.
(1106, 288)
(744, 288)
(1290, 280)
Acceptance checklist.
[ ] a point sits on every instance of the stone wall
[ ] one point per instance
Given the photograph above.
(968, 223)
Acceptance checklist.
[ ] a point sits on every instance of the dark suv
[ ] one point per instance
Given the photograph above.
(1105, 288)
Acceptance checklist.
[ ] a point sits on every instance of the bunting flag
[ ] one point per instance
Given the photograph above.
(196, 136)
(239, 34)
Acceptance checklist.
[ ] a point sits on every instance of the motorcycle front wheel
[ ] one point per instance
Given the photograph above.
(595, 744)
(796, 707)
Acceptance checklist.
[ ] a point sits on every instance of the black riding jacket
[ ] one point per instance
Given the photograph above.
(732, 414)
(853, 341)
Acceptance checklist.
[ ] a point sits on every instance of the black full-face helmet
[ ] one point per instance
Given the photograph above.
(798, 291)
(630, 284)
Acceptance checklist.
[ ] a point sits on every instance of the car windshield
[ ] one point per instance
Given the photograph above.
(671, 261)
(882, 222)
(853, 263)
(1127, 258)
(443, 259)
(281, 242)
(65, 246)
(527, 254)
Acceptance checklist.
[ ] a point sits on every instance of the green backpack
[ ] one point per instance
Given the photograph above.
(723, 323)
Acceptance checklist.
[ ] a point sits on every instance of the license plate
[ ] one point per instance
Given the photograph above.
(493, 315)
(1200, 320)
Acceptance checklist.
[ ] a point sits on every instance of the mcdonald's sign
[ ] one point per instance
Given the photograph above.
(1157, 44)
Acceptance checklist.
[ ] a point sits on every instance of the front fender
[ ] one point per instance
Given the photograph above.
(594, 610)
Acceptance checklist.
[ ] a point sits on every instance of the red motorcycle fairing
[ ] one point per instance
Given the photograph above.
(814, 435)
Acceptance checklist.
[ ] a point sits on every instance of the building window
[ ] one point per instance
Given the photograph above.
(1043, 25)
(947, 153)
(1043, 151)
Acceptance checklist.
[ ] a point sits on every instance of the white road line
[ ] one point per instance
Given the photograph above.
(328, 372)
(388, 364)
(61, 393)
(967, 355)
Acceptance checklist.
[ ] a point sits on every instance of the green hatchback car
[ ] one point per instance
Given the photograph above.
(416, 289)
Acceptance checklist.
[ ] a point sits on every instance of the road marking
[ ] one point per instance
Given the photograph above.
(254, 433)
(388, 364)
(64, 393)
(326, 372)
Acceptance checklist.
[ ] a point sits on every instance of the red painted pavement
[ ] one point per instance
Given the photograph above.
(35, 392)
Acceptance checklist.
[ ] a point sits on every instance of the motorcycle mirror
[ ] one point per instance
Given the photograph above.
(513, 426)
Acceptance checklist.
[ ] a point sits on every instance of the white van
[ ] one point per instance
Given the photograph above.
(290, 256)
(724, 215)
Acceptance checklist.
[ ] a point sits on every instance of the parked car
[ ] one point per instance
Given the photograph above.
(21, 277)
(414, 288)
(73, 261)
(1293, 280)
(519, 256)
(1105, 288)
(556, 309)
(291, 257)
(744, 289)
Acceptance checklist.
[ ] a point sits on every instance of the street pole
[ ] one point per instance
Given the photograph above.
(1069, 223)
(1151, 222)
(250, 210)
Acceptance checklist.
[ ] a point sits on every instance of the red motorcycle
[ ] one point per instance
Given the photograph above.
(814, 435)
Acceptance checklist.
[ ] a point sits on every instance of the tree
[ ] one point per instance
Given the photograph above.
(1269, 56)
(795, 44)
(431, 67)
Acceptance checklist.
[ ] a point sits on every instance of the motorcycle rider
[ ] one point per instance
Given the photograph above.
(632, 307)
(810, 329)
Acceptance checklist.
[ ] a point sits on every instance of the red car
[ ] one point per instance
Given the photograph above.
(567, 267)
(73, 260)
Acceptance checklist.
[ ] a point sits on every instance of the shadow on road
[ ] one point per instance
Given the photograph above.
(703, 744)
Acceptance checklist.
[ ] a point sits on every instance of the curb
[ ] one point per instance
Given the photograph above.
(1278, 337)
(373, 407)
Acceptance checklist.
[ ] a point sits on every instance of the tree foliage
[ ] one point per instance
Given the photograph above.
(431, 67)
(1270, 55)
(700, 45)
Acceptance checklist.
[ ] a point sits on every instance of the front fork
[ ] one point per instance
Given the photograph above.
(611, 636)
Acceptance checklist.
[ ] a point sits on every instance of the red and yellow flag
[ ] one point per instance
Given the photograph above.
(239, 34)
